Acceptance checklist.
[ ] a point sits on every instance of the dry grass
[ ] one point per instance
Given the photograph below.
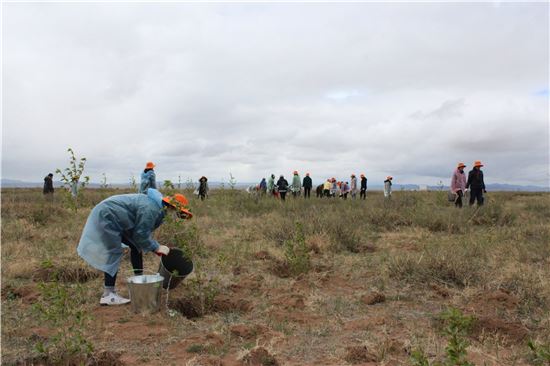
(416, 252)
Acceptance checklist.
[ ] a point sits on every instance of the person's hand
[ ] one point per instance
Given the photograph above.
(484, 191)
(162, 250)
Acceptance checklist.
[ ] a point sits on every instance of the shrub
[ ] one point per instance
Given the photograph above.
(296, 252)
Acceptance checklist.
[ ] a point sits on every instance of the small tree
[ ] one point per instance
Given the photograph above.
(168, 184)
(104, 184)
(72, 175)
(232, 181)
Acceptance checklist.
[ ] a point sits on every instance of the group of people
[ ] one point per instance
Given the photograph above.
(475, 183)
(330, 188)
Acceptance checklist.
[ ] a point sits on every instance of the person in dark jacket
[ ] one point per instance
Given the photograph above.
(48, 186)
(307, 184)
(282, 186)
(363, 192)
(476, 184)
(319, 190)
(263, 187)
(203, 188)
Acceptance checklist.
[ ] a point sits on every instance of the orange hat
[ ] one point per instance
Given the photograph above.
(478, 163)
(461, 165)
(389, 177)
(149, 165)
(178, 201)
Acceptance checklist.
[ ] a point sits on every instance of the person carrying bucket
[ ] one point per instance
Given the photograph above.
(128, 219)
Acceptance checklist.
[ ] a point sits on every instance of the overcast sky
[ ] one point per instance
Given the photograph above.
(397, 89)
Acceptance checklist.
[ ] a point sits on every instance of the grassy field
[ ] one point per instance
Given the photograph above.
(413, 281)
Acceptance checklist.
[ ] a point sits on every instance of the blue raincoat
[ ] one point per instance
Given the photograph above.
(148, 180)
(132, 216)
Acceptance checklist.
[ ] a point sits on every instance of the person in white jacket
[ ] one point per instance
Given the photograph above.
(387, 187)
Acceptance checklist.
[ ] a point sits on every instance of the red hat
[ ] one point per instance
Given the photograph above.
(179, 201)
(149, 165)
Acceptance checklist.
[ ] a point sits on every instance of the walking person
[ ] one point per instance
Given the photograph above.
(458, 184)
(263, 187)
(203, 188)
(334, 188)
(296, 187)
(282, 187)
(387, 187)
(307, 184)
(363, 192)
(128, 219)
(148, 178)
(48, 187)
(271, 188)
(476, 184)
(353, 186)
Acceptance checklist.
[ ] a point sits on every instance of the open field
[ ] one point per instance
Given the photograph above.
(318, 282)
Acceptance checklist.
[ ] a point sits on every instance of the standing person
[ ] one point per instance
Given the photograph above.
(263, 187)
(307, 184)
(458, 184)
(353, 186)
(48, 186)
(326, 188)
(148, 178)
(363, 192)
(282, 187)
(387, 187)
(203, 188)
(296, 187)
(476, 184)
(271, 185)
(129, 219)
(345, 190)
(334, 187)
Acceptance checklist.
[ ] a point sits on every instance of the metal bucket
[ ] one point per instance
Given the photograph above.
(174, 267)
(145, 292)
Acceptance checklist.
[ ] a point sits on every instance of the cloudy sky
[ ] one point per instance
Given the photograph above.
(395, 89)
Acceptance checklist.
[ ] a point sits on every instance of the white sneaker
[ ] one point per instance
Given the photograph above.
(113, 299)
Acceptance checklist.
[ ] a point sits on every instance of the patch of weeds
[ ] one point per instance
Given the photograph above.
(196, 348)
(296, 252)
(539, 353)
(457, 326)
(60, 307)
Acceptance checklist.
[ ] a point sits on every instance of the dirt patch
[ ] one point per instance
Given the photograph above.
(512, 331)
(440, 290)
(280, 268)
(248, 284)
(98, 358)
(247, 332)
(262, 255)
(65, 273)
(189, 308)
(364, 324)
(358, 354)
(260, 357)
(374, 298)
(290, 302)
(28, 294)
(225, 304)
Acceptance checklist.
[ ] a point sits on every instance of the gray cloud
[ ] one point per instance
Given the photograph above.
(401, 89)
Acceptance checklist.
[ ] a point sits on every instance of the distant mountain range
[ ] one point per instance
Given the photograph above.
(13, 183)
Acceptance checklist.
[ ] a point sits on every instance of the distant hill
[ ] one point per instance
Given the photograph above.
(14, 183)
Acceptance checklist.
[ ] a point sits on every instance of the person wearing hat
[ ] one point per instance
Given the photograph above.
(458, 184)
(148, 178)
(271, 188)
(296, 186)
(307, 184)
(203, 188)
(282, 187)
(48, 187)
(363, 192)
(387, 187)
(128, 219)
(476, 184)
(353, 186)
